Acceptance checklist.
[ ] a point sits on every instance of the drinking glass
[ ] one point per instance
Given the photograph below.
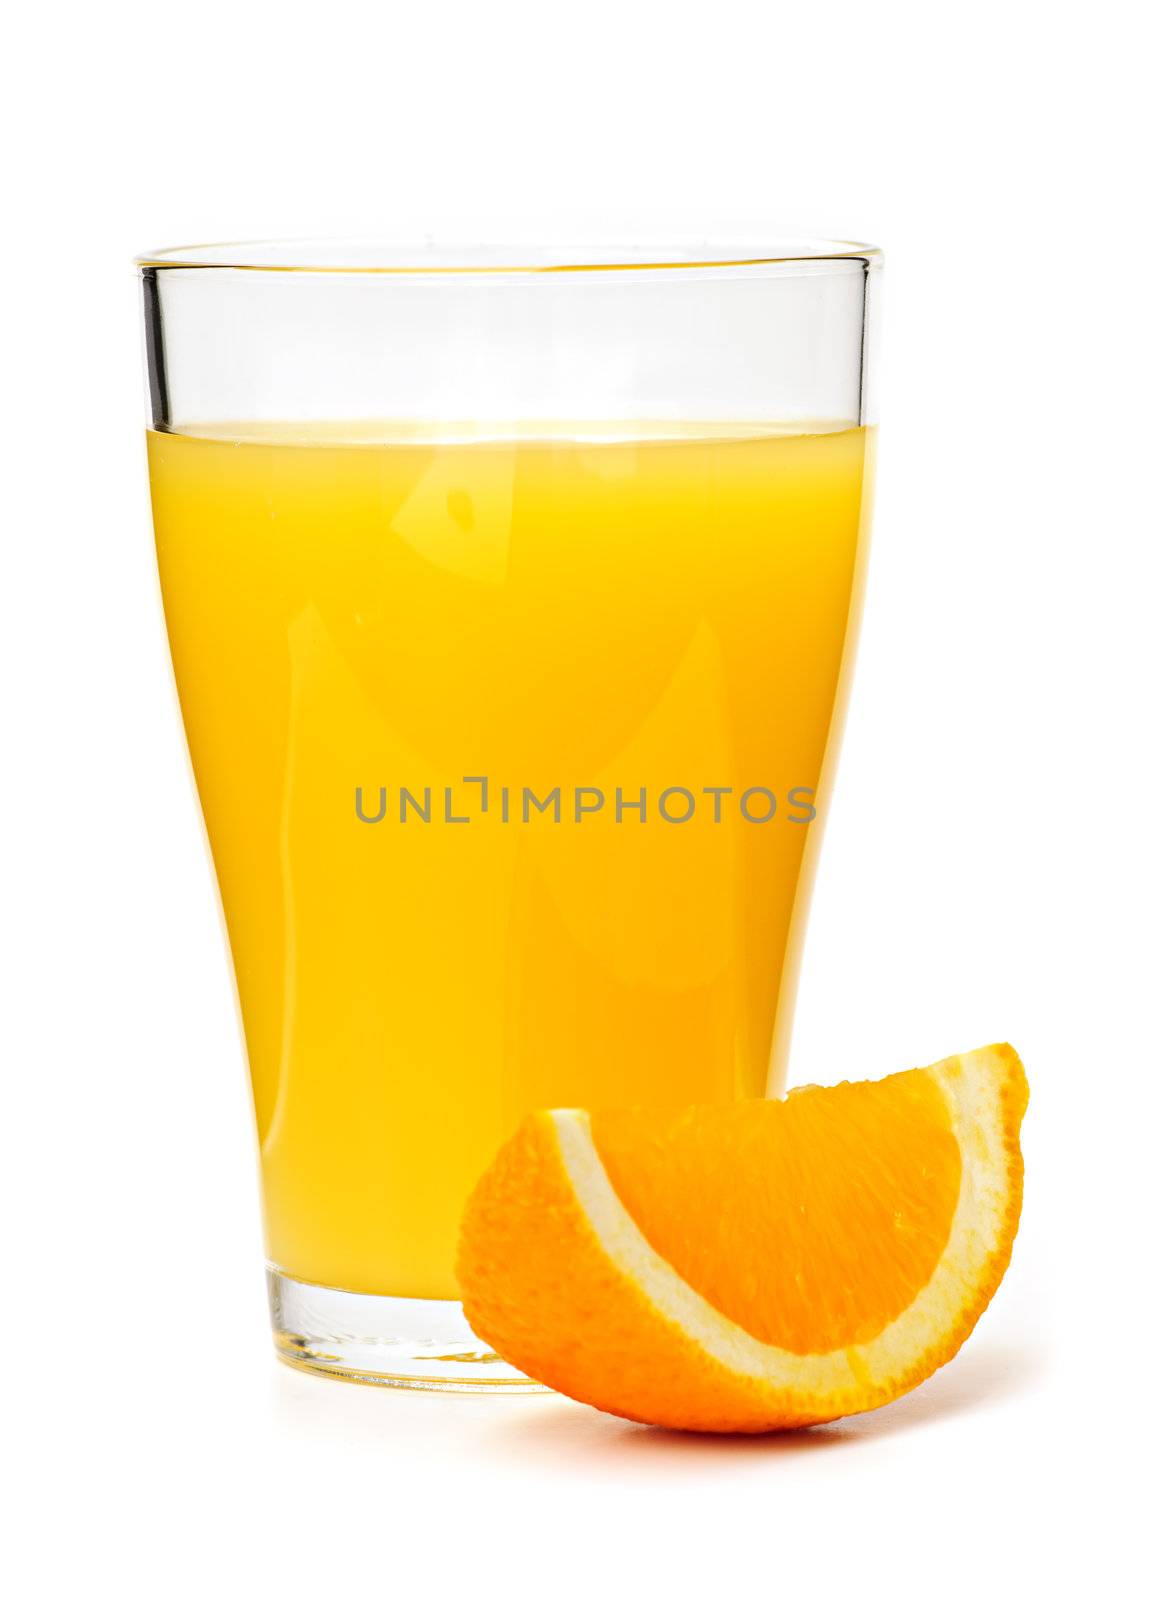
(511, 601)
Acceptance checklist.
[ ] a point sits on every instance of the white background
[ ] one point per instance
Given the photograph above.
(993, 866)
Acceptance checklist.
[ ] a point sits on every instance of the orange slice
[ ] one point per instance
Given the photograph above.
(762, 1265)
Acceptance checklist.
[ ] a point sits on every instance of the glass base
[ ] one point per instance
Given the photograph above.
(373, 1338)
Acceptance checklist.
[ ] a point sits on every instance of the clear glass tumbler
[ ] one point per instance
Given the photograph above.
(511, 603)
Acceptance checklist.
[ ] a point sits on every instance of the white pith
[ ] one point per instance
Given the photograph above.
(971, 1086)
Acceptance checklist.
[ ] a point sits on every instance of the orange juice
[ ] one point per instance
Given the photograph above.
(511, 751)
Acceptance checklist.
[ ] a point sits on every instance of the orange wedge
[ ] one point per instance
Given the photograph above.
(746, 1267)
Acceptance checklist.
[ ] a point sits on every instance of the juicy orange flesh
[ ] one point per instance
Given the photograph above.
(812, 1222)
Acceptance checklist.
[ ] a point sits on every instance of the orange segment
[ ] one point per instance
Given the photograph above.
(760, 1265)
(767, 1208)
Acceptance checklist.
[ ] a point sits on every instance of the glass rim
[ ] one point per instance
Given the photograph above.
(429, 258)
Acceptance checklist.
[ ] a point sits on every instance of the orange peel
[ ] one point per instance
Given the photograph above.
(762, 1265)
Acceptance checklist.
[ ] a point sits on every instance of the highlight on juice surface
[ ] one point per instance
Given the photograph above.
(512, 605)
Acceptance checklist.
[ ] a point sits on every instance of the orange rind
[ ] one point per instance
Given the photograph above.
(762, 1265)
